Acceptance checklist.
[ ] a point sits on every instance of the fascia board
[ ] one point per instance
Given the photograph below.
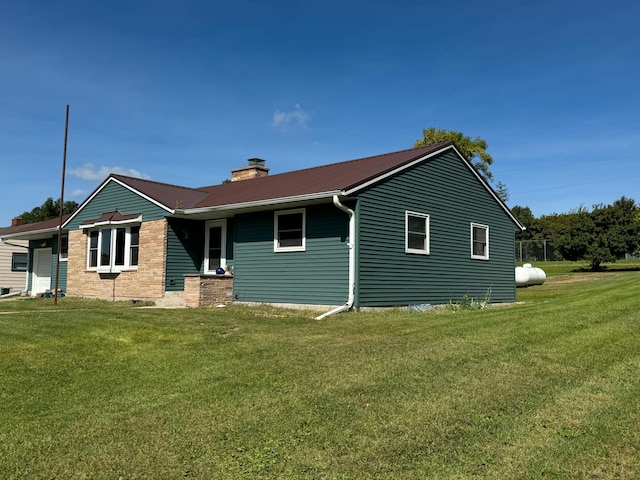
(128, 187)
(137, 192)
(377, 179)
(263, 203)
(489, 189)
(30, 234)
(428, 156)
(138, 219)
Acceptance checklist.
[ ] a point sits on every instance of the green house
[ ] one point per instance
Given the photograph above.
(418, 226)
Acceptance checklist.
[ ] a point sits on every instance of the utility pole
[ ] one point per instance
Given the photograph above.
(64, 167)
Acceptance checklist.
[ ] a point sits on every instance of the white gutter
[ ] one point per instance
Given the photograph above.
(352, 260)
(28, 234)
(4, 242)
(261, 203)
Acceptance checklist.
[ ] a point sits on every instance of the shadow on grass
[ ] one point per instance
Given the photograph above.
(605, 268)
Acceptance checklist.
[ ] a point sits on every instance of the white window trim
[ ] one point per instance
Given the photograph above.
(223, 250)
(297, 248)
(63, 259)
(486, 229)
(112, 268)
(13, 262)
(407, 249)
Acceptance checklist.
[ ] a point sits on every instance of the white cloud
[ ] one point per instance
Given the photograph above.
(79, 193)
(89, 171)
(296, 117)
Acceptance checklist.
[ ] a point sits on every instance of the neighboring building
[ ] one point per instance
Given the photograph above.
(41, 240)
(14, 258)
(411, 227)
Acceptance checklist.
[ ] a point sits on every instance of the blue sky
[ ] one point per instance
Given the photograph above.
(183, 92)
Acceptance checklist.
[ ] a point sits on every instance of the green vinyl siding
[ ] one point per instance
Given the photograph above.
(62, 274)
(453, 197)
(116, 197)
(316, 276)
(185, 251)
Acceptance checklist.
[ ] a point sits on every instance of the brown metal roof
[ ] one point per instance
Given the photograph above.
(316, 181)
(334, 177)
(113, 217)
(171, 196)
(33, 227)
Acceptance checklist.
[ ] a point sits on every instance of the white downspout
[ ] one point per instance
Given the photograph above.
(352, 260)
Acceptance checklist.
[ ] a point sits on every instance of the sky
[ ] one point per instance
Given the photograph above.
(184, 92)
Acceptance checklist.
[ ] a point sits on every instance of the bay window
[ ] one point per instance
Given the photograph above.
(113, 249)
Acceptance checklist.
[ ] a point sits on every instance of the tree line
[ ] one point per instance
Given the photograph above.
(48, 210)
(603, 234)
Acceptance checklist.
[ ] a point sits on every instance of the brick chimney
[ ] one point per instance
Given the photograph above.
(255, 169)
(15, 221)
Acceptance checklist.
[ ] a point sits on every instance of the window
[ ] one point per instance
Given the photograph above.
(134, 246)
(64, 251)
(289, 231)
(19, 262)
(113, 249)
(417, 233)
(479, 241)
(93, 249)
(215, 251)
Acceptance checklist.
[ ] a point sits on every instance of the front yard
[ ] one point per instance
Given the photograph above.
(547, 388)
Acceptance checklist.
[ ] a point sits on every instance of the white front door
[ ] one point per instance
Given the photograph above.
(41, 271)
(215, 246)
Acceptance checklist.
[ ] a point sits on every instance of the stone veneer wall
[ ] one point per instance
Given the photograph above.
(147, 282)
(208, 290)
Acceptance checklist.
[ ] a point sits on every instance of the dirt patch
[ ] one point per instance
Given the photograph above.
(577, 277)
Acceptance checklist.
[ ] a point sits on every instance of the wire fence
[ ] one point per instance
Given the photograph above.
(528, 251)
(536, 251)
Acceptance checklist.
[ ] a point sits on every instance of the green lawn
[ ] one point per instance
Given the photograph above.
(548, 388)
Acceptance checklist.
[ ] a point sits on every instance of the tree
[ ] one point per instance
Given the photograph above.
(502, 191)
(603, 235)
(526, 218)
(475, 151)
(616, 231)
(48, 210)
(574, 232)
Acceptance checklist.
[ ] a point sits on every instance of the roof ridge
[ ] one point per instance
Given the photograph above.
(340, 163)
(120, 176)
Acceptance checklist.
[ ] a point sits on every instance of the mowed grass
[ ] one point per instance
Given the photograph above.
(548, 388)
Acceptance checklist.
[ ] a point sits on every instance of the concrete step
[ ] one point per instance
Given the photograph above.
(172, 300)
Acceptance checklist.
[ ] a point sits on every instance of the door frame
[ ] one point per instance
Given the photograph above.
(34, 277)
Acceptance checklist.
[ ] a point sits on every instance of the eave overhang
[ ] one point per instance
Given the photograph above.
(112, 218)
(31, 235)
(260, 205)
